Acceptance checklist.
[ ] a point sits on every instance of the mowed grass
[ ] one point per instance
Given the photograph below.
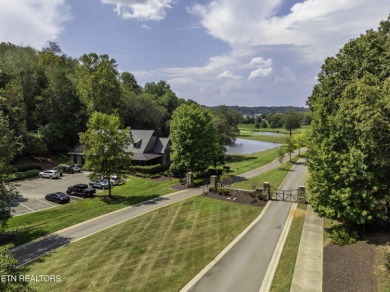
(242, 163)
(274, 176)
(285, 269)
(31, 226)
(158, 251)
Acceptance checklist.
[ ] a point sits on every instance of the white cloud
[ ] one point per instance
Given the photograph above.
(33, 22)
(141, 9)
(145, 26)
(260, 72)
(260, 62)
(228, 75)
(287, 76)
(318, 27)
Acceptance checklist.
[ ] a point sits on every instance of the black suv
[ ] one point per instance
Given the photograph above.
(58, 197)
(81, 190)
(67, 168)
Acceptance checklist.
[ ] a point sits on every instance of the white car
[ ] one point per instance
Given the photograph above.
(50, 174)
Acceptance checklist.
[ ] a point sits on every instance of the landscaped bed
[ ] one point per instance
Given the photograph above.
(159, 251)
(237, 197)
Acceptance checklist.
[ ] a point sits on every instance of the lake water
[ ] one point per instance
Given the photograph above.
(244, 146)
(269, 134)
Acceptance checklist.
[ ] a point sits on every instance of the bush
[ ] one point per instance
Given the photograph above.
(226, 169)
(148, 169)
(224, 192)
(387, 260)
(155, 176)
(141, 175)
(23, 175)
(214, 171)
(341, 236)
(27, 166)
(199, 181)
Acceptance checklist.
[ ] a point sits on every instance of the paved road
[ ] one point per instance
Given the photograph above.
(244, 266)
(33, 192)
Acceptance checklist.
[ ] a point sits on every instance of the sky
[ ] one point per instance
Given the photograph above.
(233, 52)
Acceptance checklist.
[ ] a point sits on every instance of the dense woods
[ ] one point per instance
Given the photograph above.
(48, 97)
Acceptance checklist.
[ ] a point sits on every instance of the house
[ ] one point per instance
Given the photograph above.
(147, 149)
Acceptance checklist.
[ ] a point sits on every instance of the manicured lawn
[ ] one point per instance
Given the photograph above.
(242, 163)
(274, 176)
(285, 270)
(34, 225)
(159, 251)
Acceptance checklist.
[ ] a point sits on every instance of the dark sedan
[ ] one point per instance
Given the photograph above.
(59, 198)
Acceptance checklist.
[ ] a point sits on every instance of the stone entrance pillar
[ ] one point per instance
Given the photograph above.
(213, 182)
(302, 195)
(267, 190)
(190, 179)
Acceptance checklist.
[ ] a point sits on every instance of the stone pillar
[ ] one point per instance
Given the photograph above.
(301, 195)
(190, 179)
(213, 182)
(267, 190)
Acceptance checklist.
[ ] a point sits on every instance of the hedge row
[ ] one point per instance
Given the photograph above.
(148, 169)
(23, 174)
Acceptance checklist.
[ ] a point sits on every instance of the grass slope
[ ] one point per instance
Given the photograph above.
(285, 269)
(242, 163)
(274, 176)
(159, 251)
(34, 225)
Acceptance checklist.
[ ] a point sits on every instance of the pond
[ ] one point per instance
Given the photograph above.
(244, 146)
(269, 133)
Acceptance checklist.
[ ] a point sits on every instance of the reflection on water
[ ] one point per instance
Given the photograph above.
(269, 134)
(244, 146)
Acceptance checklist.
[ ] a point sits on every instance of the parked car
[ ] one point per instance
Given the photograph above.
(76, 167)
(59, 169)
(100, 184)
(67, 168)
(49, 174)
(81, 190)
(116, 181)
(58, 197)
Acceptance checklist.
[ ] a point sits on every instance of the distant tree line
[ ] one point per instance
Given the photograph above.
(266, 110)
(278, 120)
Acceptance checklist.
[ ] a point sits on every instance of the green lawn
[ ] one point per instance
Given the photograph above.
(159, 251)
(242, 163)
(285, 269)
(34, 225)
(274, 176)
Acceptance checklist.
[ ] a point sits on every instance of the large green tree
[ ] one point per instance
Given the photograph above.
(292, 120)
(9, 146)
(350, 140)
(105, 146)
(194, 139)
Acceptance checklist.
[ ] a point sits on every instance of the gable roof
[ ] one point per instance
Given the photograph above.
(141, 139)
(161, 145)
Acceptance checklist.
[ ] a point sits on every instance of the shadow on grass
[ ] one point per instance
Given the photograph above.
(239, 158)
(125, 200)
(21, 236)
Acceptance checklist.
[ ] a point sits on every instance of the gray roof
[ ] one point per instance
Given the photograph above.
(145, 157)
(161, 145)
(141, 137)
(77, 150)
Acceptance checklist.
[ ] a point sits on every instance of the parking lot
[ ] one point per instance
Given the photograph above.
(33, 192)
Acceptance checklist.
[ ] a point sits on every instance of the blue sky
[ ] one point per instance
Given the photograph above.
(253, 52)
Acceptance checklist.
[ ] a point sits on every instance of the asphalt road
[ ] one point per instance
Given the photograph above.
(33, 192)
(244, 266)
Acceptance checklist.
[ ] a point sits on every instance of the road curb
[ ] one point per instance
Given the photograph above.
(269, 275)
(194, 280)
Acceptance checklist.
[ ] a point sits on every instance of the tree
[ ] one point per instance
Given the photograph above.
(290, 146)
(349, 157)
(281, 154)
(8, 269)
(9, 146)
(300, 140)
(97, 83)
(105, 146)
(292, 120)
(157, 89)
(263, 124)
(194, 139)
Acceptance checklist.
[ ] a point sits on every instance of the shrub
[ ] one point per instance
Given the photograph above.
(199, 181)
(387, 260)
(224, 192)
(155, 176)
(141, 174)
(27, 166)
(226, 169)
(23, 175)
(212, 190)
(341, 236)
(147, 169)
